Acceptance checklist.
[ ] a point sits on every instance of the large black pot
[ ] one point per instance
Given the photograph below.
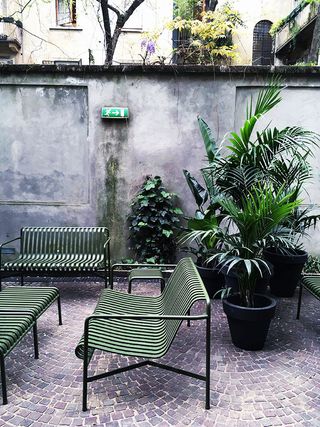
(231, 279)
(287, 270)
(249, 326)
(212, 279)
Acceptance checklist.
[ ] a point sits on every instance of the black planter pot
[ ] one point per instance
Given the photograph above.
(231, 280)
(212, 279)
(287, 270)
(249, 326)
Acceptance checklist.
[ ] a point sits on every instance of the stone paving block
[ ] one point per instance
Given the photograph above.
(277, 386)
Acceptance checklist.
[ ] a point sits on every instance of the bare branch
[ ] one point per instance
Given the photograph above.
(22, 8)
(131, 9)
(115, 10)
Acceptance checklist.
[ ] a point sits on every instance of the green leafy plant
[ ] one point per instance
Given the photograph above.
(312, 265)
(207, 38)
(153, 223)
(248, 229)
(256, 191)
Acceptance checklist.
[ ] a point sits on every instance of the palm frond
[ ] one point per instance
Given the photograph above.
(208, 139)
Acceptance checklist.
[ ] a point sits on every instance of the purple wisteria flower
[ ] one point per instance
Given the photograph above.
(149, 46)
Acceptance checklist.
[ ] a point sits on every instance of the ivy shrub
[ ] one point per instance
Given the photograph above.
(152, 223)
(312, 265)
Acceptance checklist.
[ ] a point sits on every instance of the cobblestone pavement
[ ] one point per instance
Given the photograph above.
(277, 386)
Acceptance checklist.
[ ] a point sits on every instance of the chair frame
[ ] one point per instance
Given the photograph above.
(86, 360)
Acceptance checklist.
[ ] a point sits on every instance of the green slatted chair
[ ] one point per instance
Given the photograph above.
(311, 284)
(14, 325)
(145, 326)
(60, 251)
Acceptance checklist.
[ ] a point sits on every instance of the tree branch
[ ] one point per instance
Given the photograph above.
(131, 9)
(115, 10)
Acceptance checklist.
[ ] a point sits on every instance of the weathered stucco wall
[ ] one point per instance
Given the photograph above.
(61, 164)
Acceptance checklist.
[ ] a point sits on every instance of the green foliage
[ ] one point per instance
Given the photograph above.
(153, 222)
(276, 26)
(290, 19)
(185, 8)
(254, 192)
(209, 37)
(312, 265)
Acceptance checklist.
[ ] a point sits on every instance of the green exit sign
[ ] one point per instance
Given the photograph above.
(115, 113)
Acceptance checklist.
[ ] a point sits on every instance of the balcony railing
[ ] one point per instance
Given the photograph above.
(10, 38)
(299, 19)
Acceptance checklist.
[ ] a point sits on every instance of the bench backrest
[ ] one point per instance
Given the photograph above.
(183, 289)
(64, 240)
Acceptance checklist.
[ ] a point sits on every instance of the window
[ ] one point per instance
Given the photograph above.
(66, 12)
(262, 44)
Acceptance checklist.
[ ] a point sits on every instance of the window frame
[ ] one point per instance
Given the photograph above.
(72, 8)
(261, 38)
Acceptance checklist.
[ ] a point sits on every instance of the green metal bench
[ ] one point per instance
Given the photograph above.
(134, 325)
(19, 310)
(311, 284)
(60, 251)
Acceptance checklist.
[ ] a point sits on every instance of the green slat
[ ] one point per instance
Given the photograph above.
(37, 300)
(313, 284)
(12, 330)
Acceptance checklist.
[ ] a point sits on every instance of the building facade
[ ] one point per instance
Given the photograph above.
(71, 31)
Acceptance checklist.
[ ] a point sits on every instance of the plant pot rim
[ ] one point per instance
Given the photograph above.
(294, 252)
(272, 302)
(276, 257)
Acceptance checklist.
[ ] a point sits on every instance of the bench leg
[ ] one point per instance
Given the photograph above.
(162, 284)
(130, 287)
(3, 381)
(35, 341)
(59, 310)
(208, 364)
(299, 300)
(85, 372)
(21, 280)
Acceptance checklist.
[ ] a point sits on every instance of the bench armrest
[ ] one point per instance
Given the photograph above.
(5, 243)
(146, 317)
(10, 241)
(138, 317)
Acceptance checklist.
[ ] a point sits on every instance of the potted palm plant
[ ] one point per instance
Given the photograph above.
(276, 157)
(254, 217)
(246, 231)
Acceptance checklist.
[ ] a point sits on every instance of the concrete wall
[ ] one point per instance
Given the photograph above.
(61, 164)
